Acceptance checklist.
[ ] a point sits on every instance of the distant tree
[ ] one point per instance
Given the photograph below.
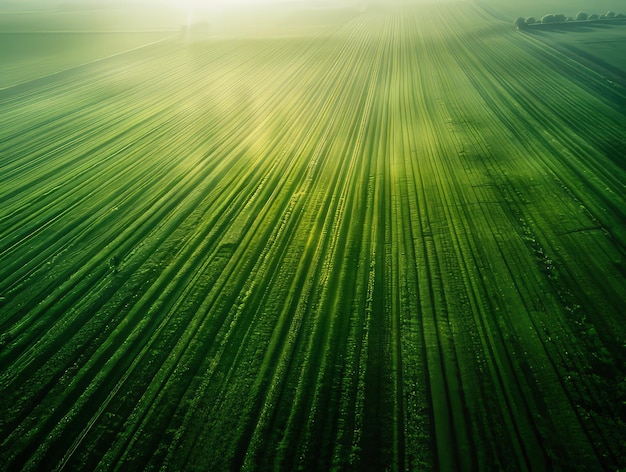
(593, 16)
(620, 15)
(531, 20)
(548, 19)
(560, 18)
(610, 14)
(581, 16)
(520, 22)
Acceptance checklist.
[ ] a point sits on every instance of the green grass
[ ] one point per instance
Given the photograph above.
(395, 244)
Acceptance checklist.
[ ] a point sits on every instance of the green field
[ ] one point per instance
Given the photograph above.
(396, 242)
(599, 46)
(38, 43)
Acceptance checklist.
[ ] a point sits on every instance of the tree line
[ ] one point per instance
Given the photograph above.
(521, 22)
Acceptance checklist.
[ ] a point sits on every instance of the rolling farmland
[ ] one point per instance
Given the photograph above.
(38, 43)
(599, 47)
(396, 244)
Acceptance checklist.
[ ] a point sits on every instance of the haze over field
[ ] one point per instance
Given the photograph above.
(311, 236)
(142, 14)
